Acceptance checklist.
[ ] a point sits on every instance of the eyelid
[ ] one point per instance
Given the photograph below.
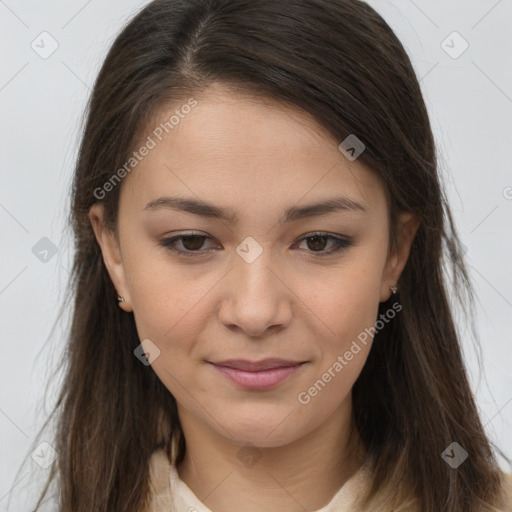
(167, 243)
(342, 242)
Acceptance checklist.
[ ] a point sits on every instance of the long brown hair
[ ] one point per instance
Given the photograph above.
(341, 62)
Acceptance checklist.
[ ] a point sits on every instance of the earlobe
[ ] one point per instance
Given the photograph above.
(407, 226)
(111, 253)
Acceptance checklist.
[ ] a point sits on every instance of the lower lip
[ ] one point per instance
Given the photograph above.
(258, 380)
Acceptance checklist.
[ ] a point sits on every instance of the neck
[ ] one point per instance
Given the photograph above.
(302, 475)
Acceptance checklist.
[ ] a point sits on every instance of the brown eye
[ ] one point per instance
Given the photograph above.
(317, 243)
(187, 245)
(193, 242)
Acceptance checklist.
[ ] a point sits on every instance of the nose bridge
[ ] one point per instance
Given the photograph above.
(253, 278)
(255, 299)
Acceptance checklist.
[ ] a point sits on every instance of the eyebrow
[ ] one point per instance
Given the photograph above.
(293, 213)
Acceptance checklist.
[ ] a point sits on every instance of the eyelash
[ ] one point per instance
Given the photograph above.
(341, 243)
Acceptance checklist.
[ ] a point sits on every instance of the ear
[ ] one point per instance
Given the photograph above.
(407, 226)
(111, 252)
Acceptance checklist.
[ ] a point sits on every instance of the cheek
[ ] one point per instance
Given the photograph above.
(347, 304)
(171, 308)
(169, 311)
(345, 299)
(331, 386)
(349, 309)
(166, 298)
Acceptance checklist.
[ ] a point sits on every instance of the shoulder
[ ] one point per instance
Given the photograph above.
(507, 492)
(159, 481)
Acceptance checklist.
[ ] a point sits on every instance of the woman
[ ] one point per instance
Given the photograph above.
(261, 316)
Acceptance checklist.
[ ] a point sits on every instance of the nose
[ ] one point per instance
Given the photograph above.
(256, 298)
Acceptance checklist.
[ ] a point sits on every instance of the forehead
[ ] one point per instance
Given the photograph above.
(245, 152)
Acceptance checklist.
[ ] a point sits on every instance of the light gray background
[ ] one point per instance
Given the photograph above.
(42, 100)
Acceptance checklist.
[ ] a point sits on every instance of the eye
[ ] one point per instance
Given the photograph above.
(187, 245)
(191, 244)
(316, 243)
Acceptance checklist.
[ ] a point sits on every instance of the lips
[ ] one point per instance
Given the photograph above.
(257, 375)
(256, 366)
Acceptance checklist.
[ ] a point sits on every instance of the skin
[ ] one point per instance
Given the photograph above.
(256, 157)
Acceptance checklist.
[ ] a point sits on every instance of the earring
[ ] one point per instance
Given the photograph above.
(394, 289)
(120, 299)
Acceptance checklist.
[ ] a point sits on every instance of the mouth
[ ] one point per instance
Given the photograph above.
(257, 374)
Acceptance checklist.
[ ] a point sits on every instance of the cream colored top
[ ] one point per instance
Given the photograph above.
(171, 494)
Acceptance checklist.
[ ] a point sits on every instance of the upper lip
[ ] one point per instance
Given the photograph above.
(254, 366)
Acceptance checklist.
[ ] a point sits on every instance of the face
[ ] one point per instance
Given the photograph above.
(245, 269)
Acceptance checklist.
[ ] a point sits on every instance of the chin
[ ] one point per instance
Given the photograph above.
(261, 439)
(263, 433)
